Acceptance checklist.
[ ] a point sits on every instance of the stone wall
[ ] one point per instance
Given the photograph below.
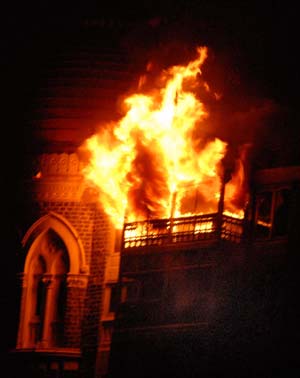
(58, 187)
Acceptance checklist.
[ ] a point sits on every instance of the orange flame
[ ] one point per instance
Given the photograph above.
(149, 163)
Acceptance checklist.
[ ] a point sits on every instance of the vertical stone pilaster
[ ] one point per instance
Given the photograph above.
(50, 309)
(101, 246)
(23, 283)
(76, 291)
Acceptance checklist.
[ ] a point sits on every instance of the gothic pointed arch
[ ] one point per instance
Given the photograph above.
(65, 231)
(54, 253)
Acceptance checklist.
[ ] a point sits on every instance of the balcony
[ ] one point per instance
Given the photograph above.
(164, 232)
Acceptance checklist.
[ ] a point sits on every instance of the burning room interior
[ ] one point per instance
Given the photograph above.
(153, 202)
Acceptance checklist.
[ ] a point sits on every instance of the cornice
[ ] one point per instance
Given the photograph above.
(58, 177)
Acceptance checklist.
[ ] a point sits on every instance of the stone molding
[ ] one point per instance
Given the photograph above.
(59, 189)
(77, 280)
(59, 164)
(59, 178)
(48, 280)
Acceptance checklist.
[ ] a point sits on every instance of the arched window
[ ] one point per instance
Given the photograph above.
(54, 253)
(38, 300)
(46, 294)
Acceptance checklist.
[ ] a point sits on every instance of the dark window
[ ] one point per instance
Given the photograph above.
(41, 299)
(40, 309)
(263, 215)
(130, 291)
(272, 214)
(114, 299)
(281, 213)
(61, 300)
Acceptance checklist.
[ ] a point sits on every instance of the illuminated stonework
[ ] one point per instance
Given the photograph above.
(59, 164)
(58, 178)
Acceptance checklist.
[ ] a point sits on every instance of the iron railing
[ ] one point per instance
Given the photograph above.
(157, 232)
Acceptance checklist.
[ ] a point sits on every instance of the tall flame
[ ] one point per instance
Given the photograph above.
(150, 163)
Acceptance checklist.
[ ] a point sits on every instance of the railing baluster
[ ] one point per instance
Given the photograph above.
(184, 229)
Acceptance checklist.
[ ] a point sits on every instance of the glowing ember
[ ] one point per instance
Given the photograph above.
(153, 163)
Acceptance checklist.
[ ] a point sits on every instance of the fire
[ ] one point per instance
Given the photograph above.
(236, 190)
(152, 163)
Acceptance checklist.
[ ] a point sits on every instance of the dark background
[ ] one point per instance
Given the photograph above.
(255, 44)
(257, 40)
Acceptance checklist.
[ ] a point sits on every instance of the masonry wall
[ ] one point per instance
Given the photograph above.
(101, 246)
(61, 190)
(81, 216)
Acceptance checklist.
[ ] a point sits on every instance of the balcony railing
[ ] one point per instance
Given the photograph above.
(157, 232)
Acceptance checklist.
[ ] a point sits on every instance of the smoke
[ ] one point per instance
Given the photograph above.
(239, 109)
(233, 113)
(147, 180)
(239, 106)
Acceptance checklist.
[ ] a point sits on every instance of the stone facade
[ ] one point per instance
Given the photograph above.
(60, 205)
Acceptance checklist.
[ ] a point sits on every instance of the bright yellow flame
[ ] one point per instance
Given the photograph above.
(151, 154)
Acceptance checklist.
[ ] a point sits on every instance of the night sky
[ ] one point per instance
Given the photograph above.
(255, 43)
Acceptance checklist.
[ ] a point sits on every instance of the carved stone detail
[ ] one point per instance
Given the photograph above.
(59, 179)
(48, 281)
(74, 164)
(77, 280)
(63, 164)
(59, 164)
(59, 190)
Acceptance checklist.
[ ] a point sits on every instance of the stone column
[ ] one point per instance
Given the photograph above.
(50, 310)
(23, 334)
